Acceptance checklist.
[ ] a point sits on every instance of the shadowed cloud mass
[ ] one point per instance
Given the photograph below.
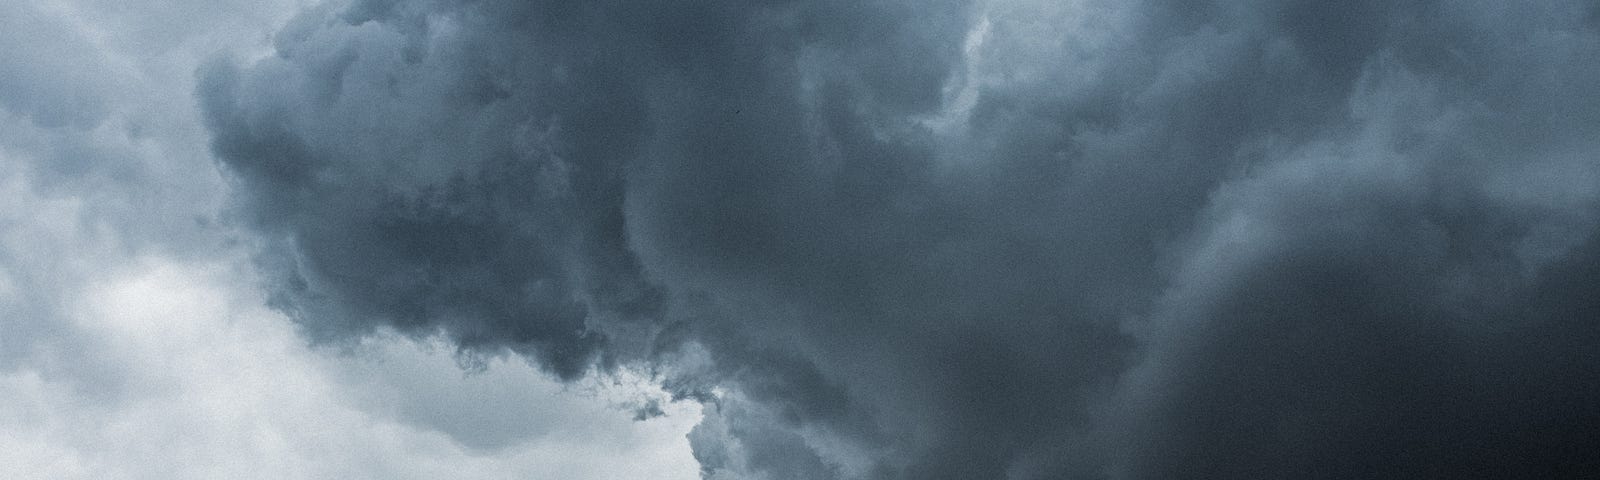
(951, 239)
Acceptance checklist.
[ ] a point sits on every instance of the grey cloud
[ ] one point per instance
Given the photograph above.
(950, 240)
(1377, 307)
(35, 71)
(130, 344)
(71, 179)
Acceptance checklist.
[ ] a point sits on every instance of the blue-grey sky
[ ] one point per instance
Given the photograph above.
(884, 239)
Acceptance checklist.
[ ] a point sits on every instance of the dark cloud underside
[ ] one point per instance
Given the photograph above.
(967, 240)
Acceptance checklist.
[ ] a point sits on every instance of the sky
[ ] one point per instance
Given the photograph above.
(787, 239)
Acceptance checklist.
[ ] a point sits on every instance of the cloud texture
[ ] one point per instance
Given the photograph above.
(134, 343)
(949, 239)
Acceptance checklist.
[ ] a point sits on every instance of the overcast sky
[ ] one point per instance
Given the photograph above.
(833, 239)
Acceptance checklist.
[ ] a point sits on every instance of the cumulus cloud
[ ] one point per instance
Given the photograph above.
(994, 239)
(133, 343)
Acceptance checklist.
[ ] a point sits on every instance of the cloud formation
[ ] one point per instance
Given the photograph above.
(133, 341)
(996, 239)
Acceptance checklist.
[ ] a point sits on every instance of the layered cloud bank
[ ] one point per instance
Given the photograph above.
(1001, 239)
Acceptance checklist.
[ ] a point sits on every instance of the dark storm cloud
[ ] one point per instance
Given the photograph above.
(950, 240)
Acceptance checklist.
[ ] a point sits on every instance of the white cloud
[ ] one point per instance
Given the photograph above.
(214, 385)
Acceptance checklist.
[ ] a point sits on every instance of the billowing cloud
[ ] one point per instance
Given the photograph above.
(133, 342)
(994, 239)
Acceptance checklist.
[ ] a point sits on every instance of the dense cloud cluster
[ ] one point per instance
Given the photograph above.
(947, 239)
(134, 343)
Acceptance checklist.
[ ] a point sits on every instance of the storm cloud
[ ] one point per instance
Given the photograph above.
(950, 239)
